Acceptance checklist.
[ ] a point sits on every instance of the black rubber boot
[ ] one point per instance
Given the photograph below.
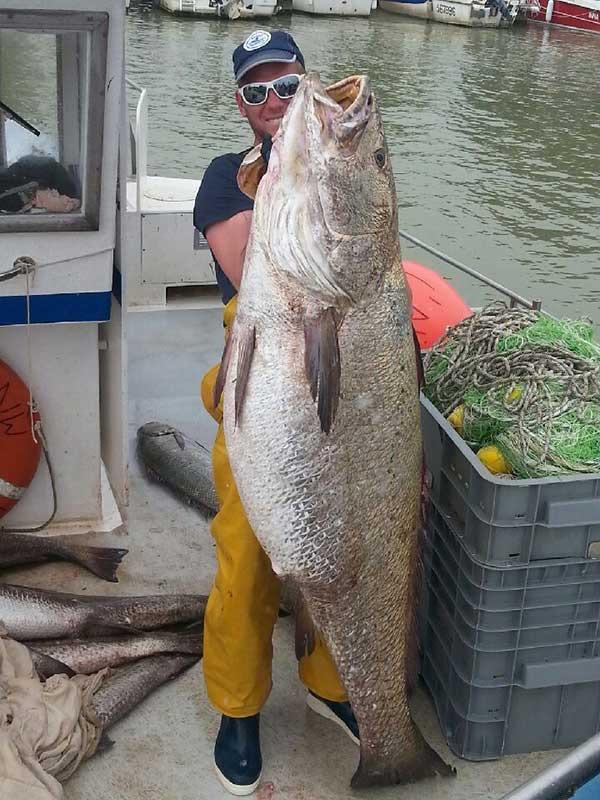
(237, 755)
(340, 713)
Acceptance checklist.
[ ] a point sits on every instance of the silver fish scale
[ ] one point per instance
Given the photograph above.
(339, 512)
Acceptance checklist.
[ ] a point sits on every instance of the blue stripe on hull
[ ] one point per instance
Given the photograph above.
(117, 286)
(46, 308)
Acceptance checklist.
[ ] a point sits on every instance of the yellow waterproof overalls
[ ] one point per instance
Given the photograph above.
(243, 604)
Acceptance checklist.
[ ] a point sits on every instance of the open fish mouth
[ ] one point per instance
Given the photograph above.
(343, 108)
(350, 91)
(353, 95)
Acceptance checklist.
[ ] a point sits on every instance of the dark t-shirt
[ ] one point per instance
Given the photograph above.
(218, 199)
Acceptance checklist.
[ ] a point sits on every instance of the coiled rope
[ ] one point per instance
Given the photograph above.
(528, 383)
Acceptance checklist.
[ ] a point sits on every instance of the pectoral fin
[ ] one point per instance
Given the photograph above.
(243, 339)
(246, 345)
(222, 373)
(322, 365)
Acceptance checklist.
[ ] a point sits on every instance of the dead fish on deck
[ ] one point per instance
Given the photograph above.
(36, 614)
(85, 656)
(129, 685)
(321, 407)
(180, 463)
(20, 548)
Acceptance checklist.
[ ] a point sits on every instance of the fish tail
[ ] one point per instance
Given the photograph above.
(414, 763)
(102, 561)
(46, 666)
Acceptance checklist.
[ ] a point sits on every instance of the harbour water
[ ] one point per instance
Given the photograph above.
(494, 134)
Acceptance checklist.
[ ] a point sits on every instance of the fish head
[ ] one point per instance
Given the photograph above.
(325, 206)
(155, 429)
(151, 430)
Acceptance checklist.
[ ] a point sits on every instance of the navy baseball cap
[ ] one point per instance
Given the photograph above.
(265, 47)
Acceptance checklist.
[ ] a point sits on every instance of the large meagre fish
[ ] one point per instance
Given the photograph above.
(321, 408)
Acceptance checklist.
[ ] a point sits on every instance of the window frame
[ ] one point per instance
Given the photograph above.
(96, 25)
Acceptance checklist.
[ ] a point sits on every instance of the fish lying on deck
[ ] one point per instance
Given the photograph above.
(20, 548)
(321, 408)
(29, 614)
(49, 729)
(129, 685)
(85, 656)
(178, 462)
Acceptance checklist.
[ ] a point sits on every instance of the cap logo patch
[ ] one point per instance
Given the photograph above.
(257, 40)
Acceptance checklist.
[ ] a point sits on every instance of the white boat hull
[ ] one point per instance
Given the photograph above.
(346, 8)
(470, 13)
(230, 9)
(421, 9)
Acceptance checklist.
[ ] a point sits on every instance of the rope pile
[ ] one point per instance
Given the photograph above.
(525, 383)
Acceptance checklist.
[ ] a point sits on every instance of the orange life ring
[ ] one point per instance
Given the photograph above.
(19, 452)
(436, 304)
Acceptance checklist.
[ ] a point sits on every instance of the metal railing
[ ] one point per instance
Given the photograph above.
(514, 297)
(559, 780)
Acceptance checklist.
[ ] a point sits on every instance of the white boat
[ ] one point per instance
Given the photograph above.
(230, 9)
(471, 13)
(345, 8)
(114, 328)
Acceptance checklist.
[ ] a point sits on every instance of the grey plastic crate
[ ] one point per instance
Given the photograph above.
(507, 680)
(509, 521)
(516, 719)
(488, 587)
(478, 643)
(443, 610)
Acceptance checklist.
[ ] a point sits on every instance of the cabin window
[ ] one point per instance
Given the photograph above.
(52, 87)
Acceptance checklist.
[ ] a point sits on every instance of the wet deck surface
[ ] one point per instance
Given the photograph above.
(163, 749)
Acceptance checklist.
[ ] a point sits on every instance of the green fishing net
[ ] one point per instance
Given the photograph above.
(527, 383)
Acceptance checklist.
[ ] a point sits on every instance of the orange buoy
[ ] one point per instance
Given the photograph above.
(19, 452)
(436, 304)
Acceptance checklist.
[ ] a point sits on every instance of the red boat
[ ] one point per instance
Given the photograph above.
(581, 14)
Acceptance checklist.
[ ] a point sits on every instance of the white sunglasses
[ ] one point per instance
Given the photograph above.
(255, 94)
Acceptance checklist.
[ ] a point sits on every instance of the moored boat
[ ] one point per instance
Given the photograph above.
(470, 13)
(230, 9)
(345, 8)
(580, 14)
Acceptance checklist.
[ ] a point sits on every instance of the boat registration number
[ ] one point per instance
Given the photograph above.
(442, 8)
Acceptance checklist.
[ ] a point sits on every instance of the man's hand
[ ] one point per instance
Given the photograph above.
(228, 241)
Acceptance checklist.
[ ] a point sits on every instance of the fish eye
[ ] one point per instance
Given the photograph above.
(380, 158)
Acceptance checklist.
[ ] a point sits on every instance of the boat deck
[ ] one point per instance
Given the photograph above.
(163, 749)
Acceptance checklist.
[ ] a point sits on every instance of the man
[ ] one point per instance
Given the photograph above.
(244, 601)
